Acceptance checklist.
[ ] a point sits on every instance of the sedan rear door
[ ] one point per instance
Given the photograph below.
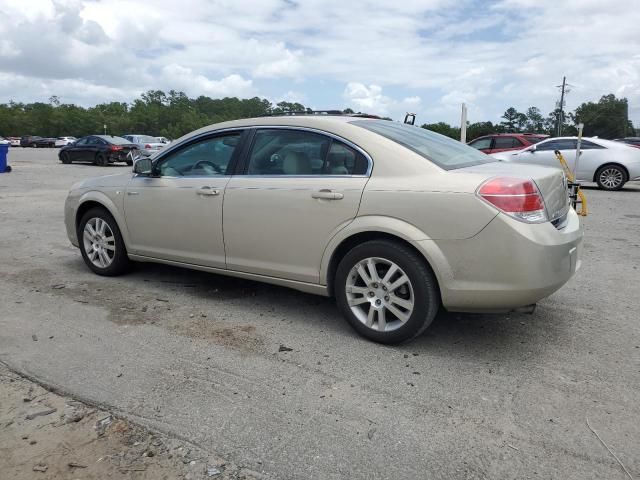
(299, 189)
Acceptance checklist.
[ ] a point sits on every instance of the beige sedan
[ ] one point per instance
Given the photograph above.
(392, 220)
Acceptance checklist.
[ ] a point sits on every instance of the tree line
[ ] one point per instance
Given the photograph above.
(173, 114)
(606, 118)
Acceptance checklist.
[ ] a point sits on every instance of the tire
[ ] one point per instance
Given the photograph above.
(611, 177)
(101, 160)
(420, 292)
(115, 263)
(64, 158)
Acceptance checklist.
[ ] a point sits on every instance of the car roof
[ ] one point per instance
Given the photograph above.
(330, 123)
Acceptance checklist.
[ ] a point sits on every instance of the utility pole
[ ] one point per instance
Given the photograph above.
(463, 124)
(561, 112)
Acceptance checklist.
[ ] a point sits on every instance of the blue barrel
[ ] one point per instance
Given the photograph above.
(4, 149)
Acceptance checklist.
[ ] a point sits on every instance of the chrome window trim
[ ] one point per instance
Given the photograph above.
(164, 152)
(319, 132)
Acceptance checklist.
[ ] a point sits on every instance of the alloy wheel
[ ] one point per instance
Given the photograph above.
(380, 294)
(611, 178)
(99, 242)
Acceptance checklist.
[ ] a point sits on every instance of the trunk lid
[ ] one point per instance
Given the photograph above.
(551, 182)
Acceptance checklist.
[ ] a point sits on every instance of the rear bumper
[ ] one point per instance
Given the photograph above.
(509, 264)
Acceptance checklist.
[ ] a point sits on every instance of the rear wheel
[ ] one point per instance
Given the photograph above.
(101, 243)
(386, 291)
(101, 160)
(611, 177)
(64, 158)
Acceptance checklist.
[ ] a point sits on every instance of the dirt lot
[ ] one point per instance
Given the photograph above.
(198, 357)
(47, 436)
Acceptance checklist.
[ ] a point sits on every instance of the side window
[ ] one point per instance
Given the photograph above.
(207, 157)
(506, 142)
(344, 160)
(587, 145)
(288, 152)
(82, 141)
(92, 141)
(481, 144)
(562, 144)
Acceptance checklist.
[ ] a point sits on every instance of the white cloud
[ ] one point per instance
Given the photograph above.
(183, 78)
(510, 52)
(368, 99)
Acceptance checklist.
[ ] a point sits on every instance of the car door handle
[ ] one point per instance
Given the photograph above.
(327, 194)
(133, 193)
(208, 191)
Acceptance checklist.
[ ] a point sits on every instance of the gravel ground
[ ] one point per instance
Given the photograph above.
(197, 356)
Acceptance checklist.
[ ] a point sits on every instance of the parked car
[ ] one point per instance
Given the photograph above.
(610, 164)
(99, 149)
(4, 141)
(163, 140)
(632, 141)
(147, 144)
(62, 141)
(391, 219)
(14, 141)
(35, 141)
(503, 142)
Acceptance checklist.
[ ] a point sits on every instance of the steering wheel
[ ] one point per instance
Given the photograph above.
(215, 167)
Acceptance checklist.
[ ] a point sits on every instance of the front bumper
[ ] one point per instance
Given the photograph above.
(509, 264)
(70, 209)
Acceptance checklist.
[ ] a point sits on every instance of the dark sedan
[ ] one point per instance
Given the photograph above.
(35, 141)
(100, 150)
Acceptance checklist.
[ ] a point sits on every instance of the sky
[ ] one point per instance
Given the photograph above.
(375, 56)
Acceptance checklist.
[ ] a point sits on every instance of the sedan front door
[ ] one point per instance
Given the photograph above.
(176, 213)
(299, 189)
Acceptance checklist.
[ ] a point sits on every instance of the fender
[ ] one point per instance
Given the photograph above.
(109, 204)
(391, 226)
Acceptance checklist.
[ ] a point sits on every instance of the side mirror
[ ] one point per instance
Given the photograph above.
(143, 166)
(532, 149)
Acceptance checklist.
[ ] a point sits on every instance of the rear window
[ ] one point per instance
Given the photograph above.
(115, 140)
(445, 152)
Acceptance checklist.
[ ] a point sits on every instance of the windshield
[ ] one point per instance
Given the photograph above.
(443, 151)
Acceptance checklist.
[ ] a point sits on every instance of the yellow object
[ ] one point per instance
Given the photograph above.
(569, 174)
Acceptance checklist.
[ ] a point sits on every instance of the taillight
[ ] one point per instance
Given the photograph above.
(517, 197)
(147, 146)
(115, 148)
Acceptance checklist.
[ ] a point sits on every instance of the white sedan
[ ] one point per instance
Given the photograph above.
(610, 164)
(64, 141)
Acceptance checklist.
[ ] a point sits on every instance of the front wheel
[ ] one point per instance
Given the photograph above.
(64, 158)
(386, 291)
(101, 243)
(101, 160)
(611, 177)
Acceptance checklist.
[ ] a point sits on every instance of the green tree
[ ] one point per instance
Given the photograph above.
(478, 129)
(443, 129)
(535, 120)
(607, 118)
(512, 120)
